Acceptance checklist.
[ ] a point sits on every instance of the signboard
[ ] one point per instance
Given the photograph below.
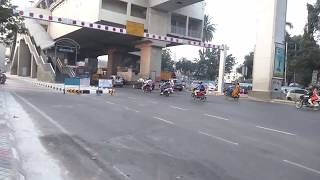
(65, 49)
(135, 29)
(85, 82)
(72, 81)
(279, 61)
(105, 83)
(315, 77)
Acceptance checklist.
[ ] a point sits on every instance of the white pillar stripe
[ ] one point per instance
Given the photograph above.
(32, 15)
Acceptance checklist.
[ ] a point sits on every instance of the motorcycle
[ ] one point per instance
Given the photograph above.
(166, 89)
(303, 102)
(147, 88)
(201, 95)
(3, 78)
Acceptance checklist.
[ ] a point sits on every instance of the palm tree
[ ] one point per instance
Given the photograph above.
(208, 29)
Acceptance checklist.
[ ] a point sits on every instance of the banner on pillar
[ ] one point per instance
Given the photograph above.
(279, 61)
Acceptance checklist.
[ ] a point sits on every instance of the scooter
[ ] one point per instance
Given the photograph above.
(3, 78)
(201, 95)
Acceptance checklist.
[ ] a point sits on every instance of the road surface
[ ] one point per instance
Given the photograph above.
(138, 136)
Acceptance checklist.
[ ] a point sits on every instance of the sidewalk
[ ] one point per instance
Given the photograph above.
(10, 165)
(277, 101)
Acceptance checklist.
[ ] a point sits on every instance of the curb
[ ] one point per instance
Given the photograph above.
(276, 101)
(13, 158)
(72, 90)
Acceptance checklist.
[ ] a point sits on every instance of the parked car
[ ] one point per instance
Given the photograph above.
(210, 86)
(177, 84)
(296, 85)
(294, 94)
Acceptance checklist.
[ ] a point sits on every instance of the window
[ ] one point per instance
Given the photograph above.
(299, 91)
(195, 28)
(178, 24)
(115, 6)
(138, 11)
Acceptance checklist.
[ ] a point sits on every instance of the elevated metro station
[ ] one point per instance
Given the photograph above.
(50, 51)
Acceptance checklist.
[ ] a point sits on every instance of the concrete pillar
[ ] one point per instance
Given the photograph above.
(24, 60)
(150, 60)
(270, 45)
(33, 68)
(14, 63)
(115, 57)
(222, 64)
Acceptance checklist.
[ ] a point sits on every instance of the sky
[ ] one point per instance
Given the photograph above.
(236, 25)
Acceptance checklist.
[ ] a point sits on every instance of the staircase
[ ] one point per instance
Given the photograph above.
(63, 68)
(48, 73)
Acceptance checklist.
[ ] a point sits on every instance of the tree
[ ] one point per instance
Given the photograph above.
(10, 23)
(166, 61)
(185, 66)
(207, 67)
(208, 29)
(230, 62)
(248, 64)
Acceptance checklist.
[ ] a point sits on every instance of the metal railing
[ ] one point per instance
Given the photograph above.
(38, 58)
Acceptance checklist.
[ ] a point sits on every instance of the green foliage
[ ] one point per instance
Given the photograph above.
(186, 67)
(166, 61)
(10, 23)
(208, 29)
(248, 64)
(207, 67)
(230, 62)
(303, 51)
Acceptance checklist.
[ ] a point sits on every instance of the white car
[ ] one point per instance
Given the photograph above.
(294, 94)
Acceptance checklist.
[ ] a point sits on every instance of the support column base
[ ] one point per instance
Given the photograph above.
(263, 95)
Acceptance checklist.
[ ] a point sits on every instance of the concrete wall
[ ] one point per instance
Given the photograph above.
(195, 10)
(158, 22)
(24, 60)
(84, 10)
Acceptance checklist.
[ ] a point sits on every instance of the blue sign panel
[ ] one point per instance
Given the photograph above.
(72, 81)
(279, 62)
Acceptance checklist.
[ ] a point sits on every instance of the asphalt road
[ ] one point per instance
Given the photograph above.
(138, 136)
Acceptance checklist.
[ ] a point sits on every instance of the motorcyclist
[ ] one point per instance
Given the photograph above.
(164, 86)
(314, 97)
(236, 90)
(149, 83)
(200, 88)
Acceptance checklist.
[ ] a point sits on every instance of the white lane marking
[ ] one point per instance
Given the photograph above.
(175, 107)
(132, 98)
(274, 130)
(154, 102)
(302, 166)
(219, 138)
(61, 128)
(108, 102)
(55, 123)
(217, 117)
(15, 154)
(130, 109)
(163, 120)
(121, 172)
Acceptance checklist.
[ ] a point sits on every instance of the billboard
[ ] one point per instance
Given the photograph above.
(279, 61)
